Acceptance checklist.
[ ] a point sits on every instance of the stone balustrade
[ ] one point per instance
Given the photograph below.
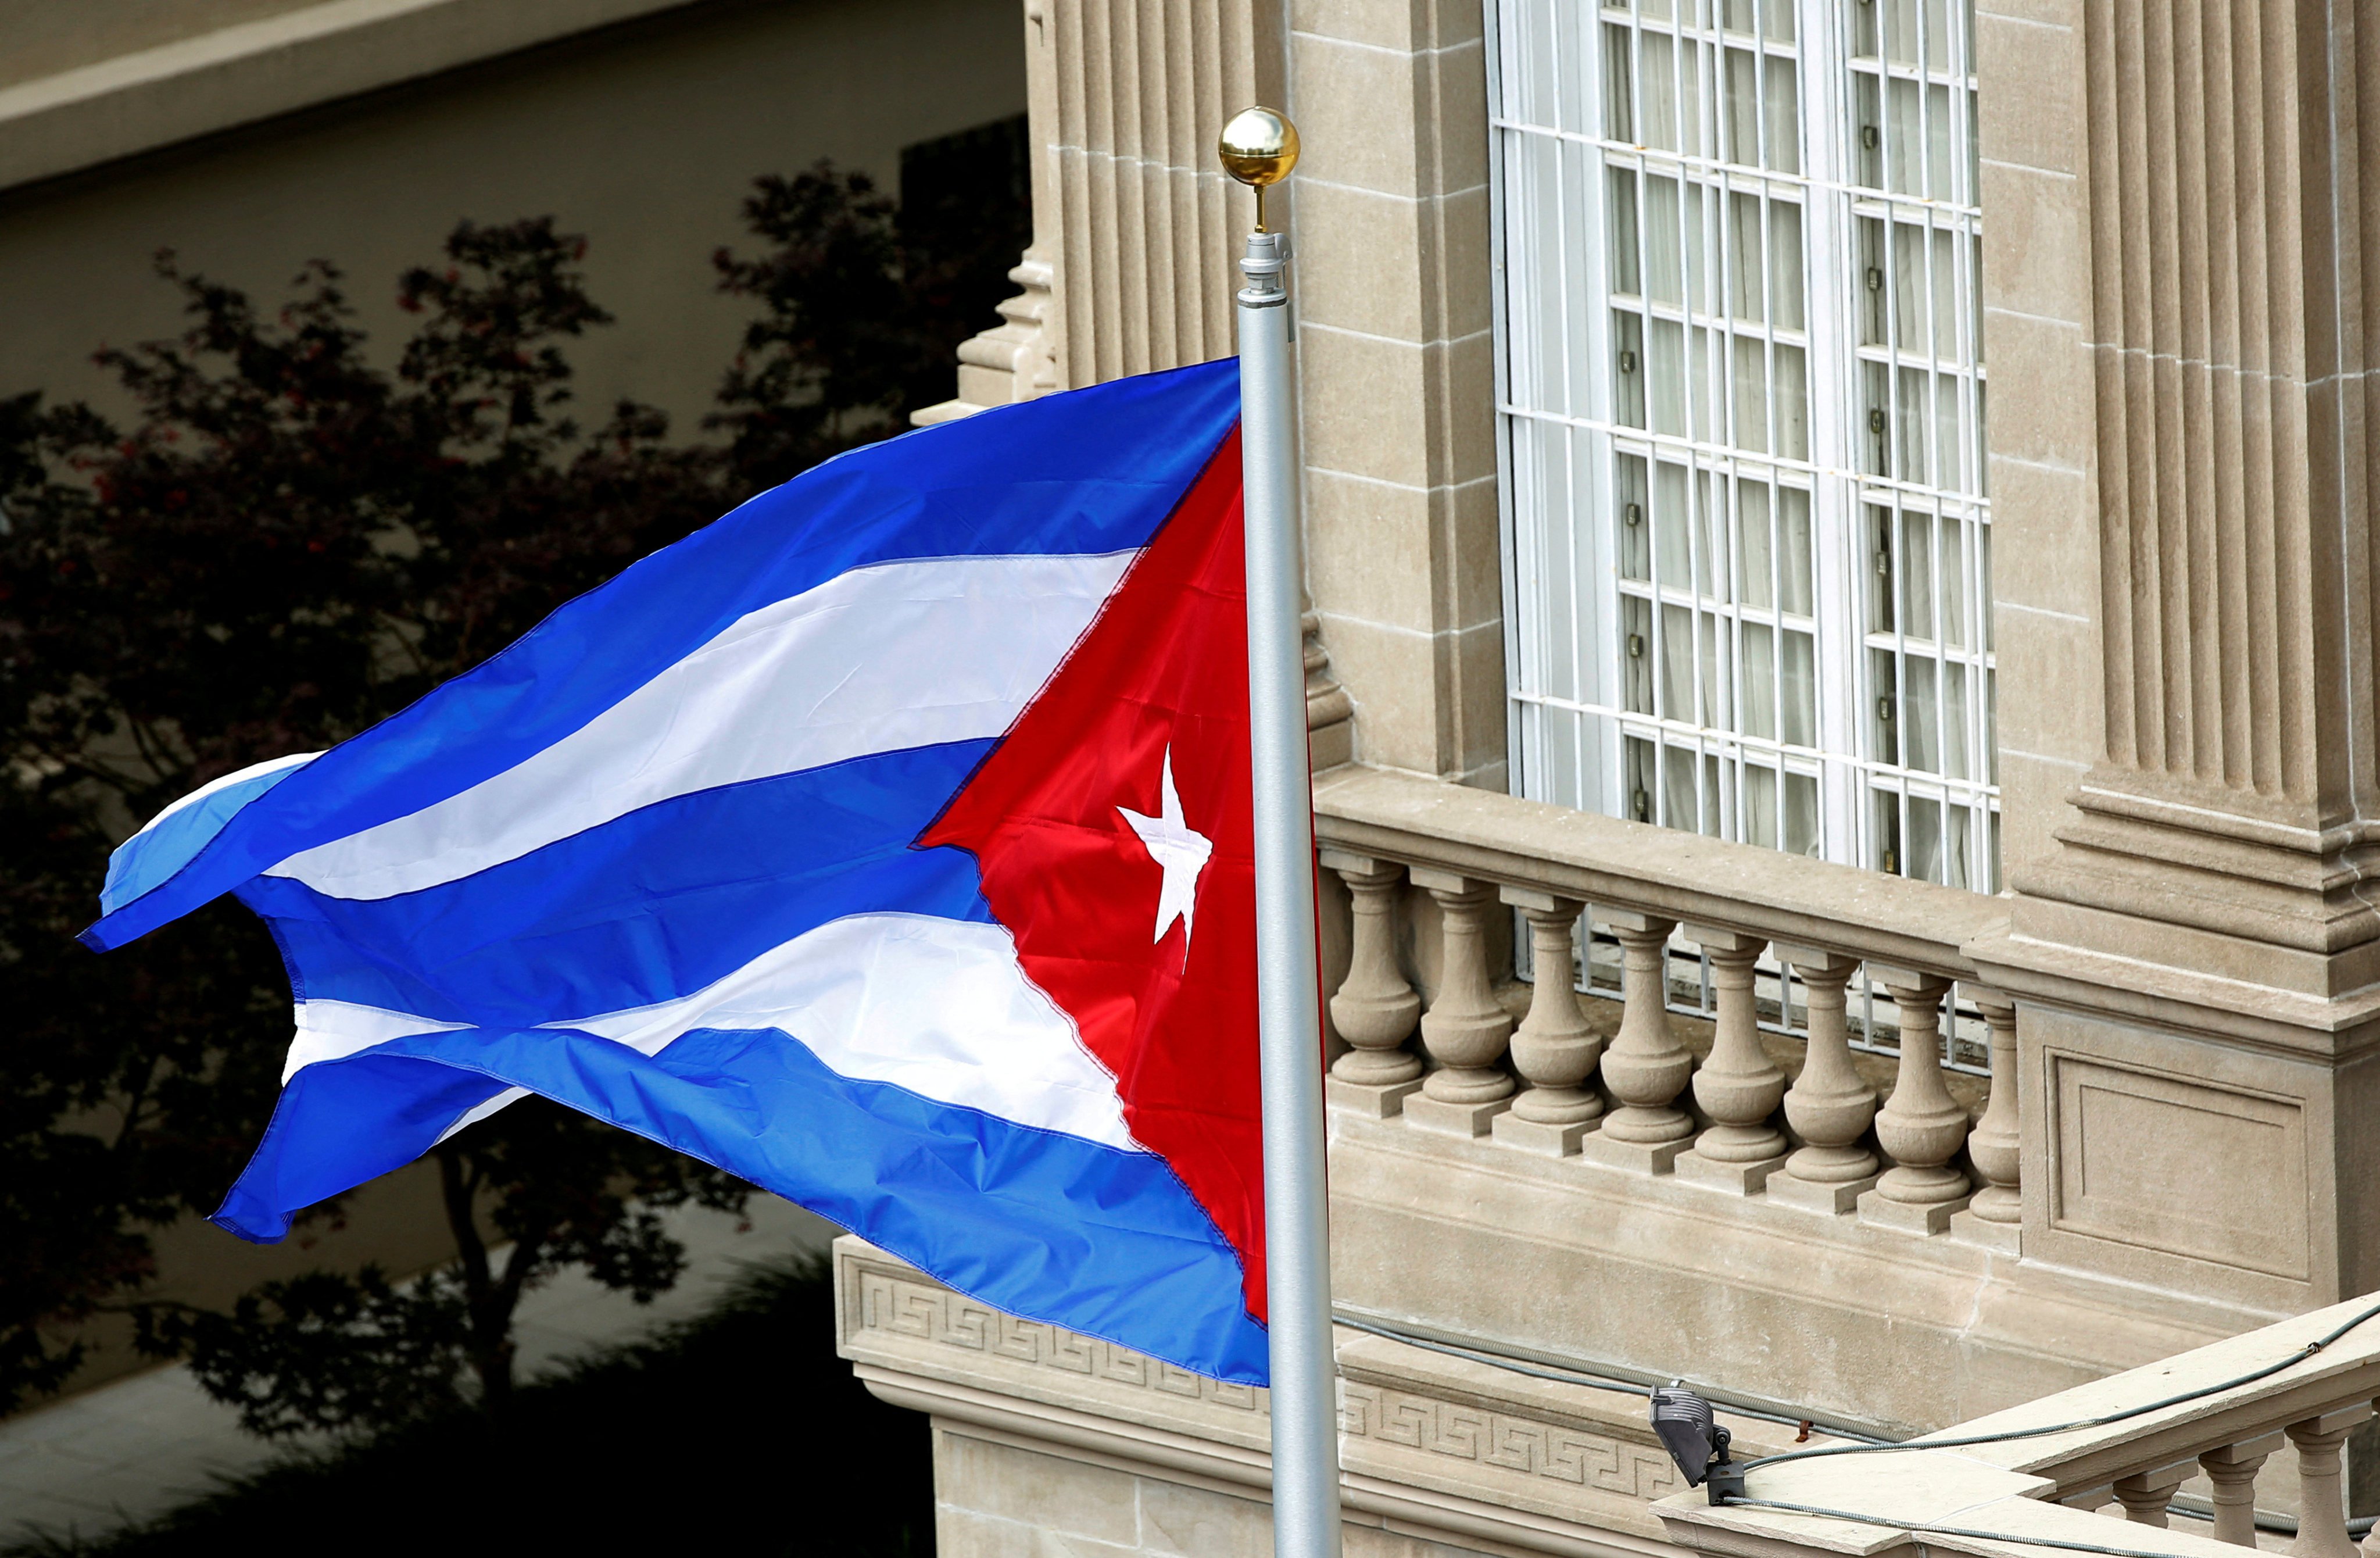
(1439, 878)
(2200, 1417)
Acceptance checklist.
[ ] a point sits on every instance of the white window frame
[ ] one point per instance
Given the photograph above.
(1568, 336)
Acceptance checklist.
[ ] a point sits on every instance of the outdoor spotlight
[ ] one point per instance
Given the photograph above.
(1696, 1443)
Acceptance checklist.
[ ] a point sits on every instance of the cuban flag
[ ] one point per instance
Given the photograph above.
(886, 842)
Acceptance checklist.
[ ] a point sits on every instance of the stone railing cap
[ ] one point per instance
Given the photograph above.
(1660, 873)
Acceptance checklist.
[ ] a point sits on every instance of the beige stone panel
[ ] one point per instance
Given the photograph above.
(1424, 703)
(2177, 1162)
(2042, 404)
(1371, 1541)
(1061, 1496)
(2029, 94)
(2045, 538)
(1474, 551)
(1199, 1524)
(2036, 249)
(1399, 26)
(1390, 673)
(2032, 806)
(1461, 108)
(959, 1534)
(1356, 116)
(1465, 280)
(1359, 261)
(1470, 407)
(2046, 13)
(2048, 680)
(2172, 1164)
(1414, 24)
(1844, 1321)
(2357, 1092)
(1365, 410)
(1479, 706)
(1369, 550)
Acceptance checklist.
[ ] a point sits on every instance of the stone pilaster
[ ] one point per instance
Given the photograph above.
(2190, 745)
(2222, 827)
(1135, 225)
(1396, 358)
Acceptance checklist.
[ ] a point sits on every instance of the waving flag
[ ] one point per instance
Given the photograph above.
(886, 842)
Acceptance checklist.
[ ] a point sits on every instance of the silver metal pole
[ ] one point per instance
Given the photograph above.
(1297, 1240)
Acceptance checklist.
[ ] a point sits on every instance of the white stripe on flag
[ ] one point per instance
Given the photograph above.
(937, 1006)
(878, 659)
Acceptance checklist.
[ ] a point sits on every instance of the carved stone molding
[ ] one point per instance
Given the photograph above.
(1456, 1451)
(2230, 231)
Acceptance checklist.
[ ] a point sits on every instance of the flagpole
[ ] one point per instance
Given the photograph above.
(1258, 147)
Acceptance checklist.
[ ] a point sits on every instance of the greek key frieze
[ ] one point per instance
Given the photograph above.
(914, 1311)
(1505, 1442)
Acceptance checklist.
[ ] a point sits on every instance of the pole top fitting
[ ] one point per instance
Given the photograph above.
(1258, 147)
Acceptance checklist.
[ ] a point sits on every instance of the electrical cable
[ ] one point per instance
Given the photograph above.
(1562, 1374)
(2307, 1351)
(1918, 1530)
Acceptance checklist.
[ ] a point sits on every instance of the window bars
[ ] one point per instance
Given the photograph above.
(1739, 329)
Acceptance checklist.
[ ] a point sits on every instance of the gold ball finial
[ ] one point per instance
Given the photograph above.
(1258, 147)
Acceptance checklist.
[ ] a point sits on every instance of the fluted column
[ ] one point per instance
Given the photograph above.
(2322, 1507)
(1832, 1104)
(1921, 1125)
(2190, 833)
(2234, 265)
(1645, 1066)
(1132, 219)
(1142, 89)
(1375, 1007)
(1465, 1028)
(2231, 1473)
(1739, 1087)
(1554, 1049)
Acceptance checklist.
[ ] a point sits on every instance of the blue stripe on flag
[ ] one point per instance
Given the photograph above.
(152, 856)
(1096, 1239)
(1096, 471)
(646, 907)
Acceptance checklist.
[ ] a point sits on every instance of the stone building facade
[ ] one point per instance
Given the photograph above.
(2007, 1021)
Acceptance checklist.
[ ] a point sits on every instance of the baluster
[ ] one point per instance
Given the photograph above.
(2322, 1506)
(1993, 1147)
(1553, 1048)
(2232, 1468)
(1739, 1087)
(1832, 1104)
(1921, 1125)
(2370, 1546)
(2145, 1494)
(1646, 1067)
(1465, 1028)
(1375, 1007)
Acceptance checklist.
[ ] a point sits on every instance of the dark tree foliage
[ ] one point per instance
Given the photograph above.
(287, 544)
(863, 300)
(739, 1431)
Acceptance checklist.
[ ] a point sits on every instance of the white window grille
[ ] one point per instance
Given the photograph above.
(1741, 396)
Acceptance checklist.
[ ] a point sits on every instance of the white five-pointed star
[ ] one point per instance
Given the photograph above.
(1179, 852)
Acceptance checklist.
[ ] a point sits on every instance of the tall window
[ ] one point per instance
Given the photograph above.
(1742, 405)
